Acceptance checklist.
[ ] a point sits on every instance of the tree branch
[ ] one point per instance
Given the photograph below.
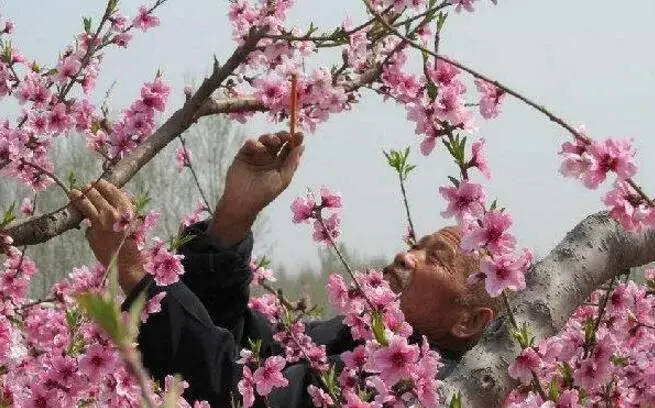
(34, 230)
(595, 251)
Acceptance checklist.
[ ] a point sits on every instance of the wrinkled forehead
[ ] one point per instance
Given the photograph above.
(448, 236)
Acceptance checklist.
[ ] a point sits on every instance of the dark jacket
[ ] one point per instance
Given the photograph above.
(205, 322)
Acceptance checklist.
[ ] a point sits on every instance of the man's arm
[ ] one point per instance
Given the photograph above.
(181, 339)
(219, 277)
(217, 260)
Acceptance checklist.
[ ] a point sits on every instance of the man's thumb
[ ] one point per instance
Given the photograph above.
(291, 163)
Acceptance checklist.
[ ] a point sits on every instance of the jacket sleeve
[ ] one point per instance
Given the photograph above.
(181, 339)
(219, 276)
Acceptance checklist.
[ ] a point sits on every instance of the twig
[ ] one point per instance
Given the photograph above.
(343, 261)
(409, 216)
(49, 174)
(294, 107)
(195, 176)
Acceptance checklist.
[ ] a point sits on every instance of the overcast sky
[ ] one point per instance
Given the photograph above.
(588, 60)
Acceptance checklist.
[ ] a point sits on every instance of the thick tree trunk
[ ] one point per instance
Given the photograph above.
(596, 250)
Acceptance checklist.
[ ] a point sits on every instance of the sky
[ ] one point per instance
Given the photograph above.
(587, 60)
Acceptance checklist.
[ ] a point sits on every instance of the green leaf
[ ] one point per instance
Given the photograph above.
(104, 311)
(589, 332)
(433, 90)
(455, 401)
(378, 329)
(441, 20)
(112, 6)
(523, 336)
(553, 390)
(87, 24)
(135, 316)
(255, 346)
(72, 180)
(8, 215)
(141, 202)
(619, 360)
(72, 318)
(454, 181)
(567, 373)
(180, 240)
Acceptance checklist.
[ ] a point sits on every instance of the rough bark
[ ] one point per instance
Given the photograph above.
(596, 250)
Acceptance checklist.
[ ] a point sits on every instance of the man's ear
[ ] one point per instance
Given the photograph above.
(471, 322)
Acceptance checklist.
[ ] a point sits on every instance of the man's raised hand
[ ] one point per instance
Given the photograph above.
(103, 204)
(260, 172)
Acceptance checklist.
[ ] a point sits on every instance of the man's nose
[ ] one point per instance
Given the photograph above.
(406, 260)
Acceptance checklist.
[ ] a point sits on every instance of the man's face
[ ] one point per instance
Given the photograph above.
(431, 281)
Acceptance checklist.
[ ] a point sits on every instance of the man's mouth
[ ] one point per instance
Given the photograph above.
(391, 276)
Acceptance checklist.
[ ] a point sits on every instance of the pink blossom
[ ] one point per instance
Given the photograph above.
(464, 201)
(609, 155)
(449, 107)
(122, 39)
(490, 233)
(576, 159)
(505, 272)
(98, 360)
(269, 375)
(303, 209)
(153, 305)
(463, 4)
(59, 120)
(427, 145)
(68, 68)
(27, 206)
(155, 94)
(123, 222)
(491, 98)
(267, 305)
(330, 199)
(5, 338)
(627, 207)
(118, 21)
(145, 19)
(521, 368)
(245, 387)
(182, 156)
(320, 398)
(163, 265)
(327, 231)
(479, 160)
(197, 214)
(260, 274)
(271, 91)
(396, 361)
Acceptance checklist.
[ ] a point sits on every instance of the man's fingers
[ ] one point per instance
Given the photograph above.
(252, 147)
(100, 203)
(272, 143)
(285, 137)
(84, 206)
(291, 163)
(115, 197)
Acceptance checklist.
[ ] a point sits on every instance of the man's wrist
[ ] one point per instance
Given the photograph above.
(130, 276)
(229, 227)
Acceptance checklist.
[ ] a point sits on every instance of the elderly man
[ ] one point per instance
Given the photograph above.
(205, 321)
